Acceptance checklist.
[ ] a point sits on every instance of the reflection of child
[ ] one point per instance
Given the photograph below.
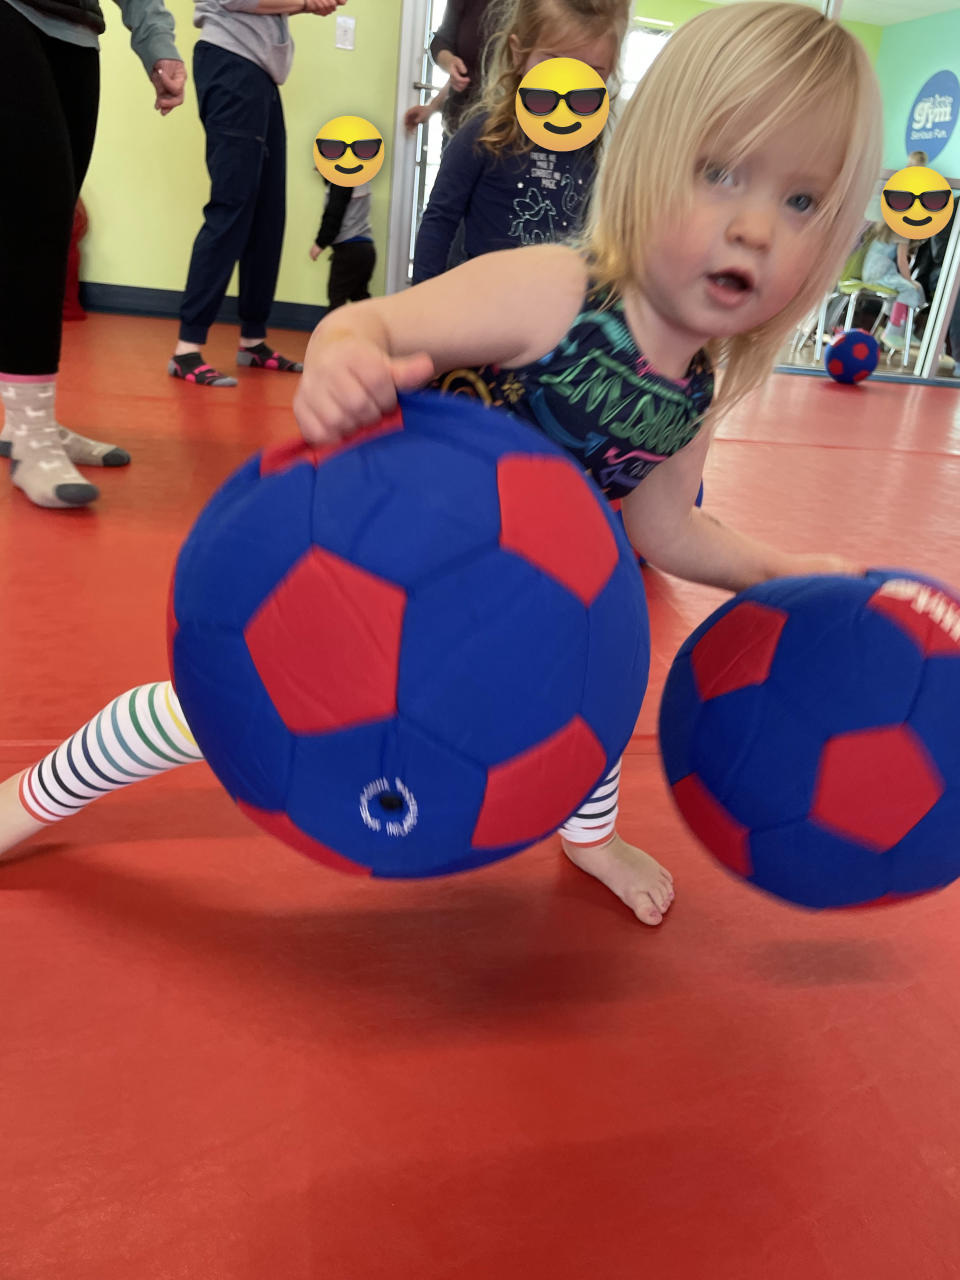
(506, 191)
(887, 263)
(346, 227)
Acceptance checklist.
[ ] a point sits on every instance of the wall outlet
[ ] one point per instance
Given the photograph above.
(346, 33)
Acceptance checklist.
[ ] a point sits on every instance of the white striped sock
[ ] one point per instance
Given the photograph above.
(139, 734)
(596, 819)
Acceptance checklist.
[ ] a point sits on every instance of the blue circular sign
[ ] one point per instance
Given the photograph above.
(934, 114)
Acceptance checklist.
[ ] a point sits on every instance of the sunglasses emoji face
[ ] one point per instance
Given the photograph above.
(348, 151)
(916, 202)
(562, 104)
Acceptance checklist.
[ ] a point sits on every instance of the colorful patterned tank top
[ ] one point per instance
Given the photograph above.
(596, 396)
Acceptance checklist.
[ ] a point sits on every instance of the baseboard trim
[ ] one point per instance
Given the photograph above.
(115, 299)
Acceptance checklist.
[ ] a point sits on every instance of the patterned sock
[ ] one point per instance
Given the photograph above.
(193, 368)
(596, 819)
(139, 734)
(41, 467)
(263, 357)
(81, 451)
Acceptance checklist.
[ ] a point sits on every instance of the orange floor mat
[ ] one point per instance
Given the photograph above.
(221, 1062)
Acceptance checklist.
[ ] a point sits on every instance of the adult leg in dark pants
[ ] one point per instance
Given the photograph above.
(244, 218)
(49, 98)
(351, 266)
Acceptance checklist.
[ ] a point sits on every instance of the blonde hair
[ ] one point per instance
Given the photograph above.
(717, 70)
(917, 157)
(528, 25)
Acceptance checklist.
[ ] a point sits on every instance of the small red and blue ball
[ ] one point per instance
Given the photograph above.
(852, 356)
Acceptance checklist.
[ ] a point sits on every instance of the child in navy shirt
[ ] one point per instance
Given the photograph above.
(507, 191)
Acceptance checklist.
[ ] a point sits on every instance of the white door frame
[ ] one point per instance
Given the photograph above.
(413, 24)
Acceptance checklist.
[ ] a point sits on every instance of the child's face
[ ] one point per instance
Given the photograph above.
(746, 248)
(601, 54)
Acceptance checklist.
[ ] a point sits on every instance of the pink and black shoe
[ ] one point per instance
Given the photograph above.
(263, 357)
(193, 368)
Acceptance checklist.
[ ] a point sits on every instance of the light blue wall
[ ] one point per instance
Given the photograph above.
(910, 53)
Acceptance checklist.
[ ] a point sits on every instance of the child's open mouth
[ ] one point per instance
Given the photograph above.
(734, 280)
(729, 287)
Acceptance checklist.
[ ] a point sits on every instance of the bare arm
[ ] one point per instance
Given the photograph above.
(677, 537)
(903, 261)
(503, 308)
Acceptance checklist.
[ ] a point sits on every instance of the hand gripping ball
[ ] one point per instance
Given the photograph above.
(852, 356)
(809, 736)
(414, 653)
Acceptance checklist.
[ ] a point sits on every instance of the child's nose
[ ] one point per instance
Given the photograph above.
(752, 225)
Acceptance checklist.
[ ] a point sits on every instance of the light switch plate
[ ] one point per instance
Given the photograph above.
(346, 32)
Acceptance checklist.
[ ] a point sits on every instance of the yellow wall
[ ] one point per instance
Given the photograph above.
(148, 183)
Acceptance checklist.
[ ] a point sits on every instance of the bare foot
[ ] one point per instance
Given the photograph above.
(638, 881)
(15, 823)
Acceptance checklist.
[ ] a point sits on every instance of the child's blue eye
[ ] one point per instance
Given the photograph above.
(716, 173)
(804, 203)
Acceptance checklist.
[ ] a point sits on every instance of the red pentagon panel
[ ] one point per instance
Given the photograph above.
(860, 350)
(326, 643)
(536, 791)
(725, 837)
(836, 366)
(738, 650)
(551, 517)
(861, 374)
(281, 457)
(873, 786)
(931, 618)
(172, 625)
(279, 825)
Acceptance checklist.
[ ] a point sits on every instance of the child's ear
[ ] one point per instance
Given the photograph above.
(515, 52)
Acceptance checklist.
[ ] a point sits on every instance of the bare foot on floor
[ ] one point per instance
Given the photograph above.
(636, 879)
(15, 823)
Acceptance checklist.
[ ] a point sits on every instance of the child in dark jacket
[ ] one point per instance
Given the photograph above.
(346, 227)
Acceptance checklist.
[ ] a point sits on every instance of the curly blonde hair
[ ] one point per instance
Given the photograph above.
(716, 71)
(519, 27)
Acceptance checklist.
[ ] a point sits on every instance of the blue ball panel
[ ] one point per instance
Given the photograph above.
(619, 641)
(837, 662)
(466, 662)
(227, 570)
(477, 429)
(242, 738)
(679, 721)
(933, 715)
(402, 507)
(928, 857)
(807, 865)
(756, 756)
(331, 773)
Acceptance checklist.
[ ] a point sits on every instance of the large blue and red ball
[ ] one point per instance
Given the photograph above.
(414, 653)
(809, 735)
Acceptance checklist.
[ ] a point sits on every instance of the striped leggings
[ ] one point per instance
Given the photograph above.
(144, 732)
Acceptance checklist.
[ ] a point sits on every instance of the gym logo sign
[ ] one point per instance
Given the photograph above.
(933, 115)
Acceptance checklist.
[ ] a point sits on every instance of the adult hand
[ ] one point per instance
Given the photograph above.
(168, 77)
(456, 68)
(323, 7)
(315, 252)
